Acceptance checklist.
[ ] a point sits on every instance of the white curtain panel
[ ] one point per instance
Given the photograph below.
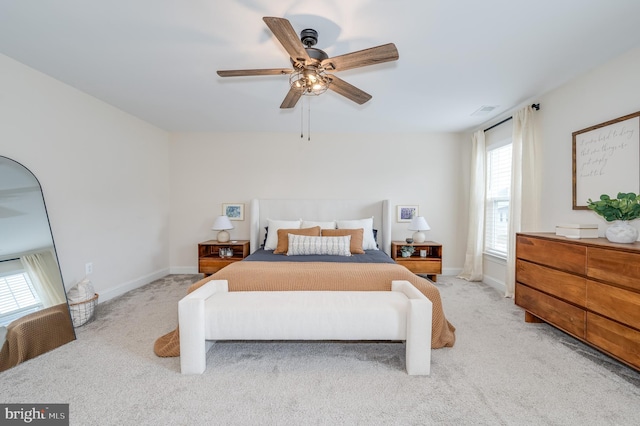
(524, 206)
(43, 271)
(472, 270)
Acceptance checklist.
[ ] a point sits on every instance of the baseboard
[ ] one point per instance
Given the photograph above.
(132, 285)
(451, 271)
(498, 285)
(180, 270)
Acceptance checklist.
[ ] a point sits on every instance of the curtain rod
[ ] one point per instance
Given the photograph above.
(9, 260)
(534, 106)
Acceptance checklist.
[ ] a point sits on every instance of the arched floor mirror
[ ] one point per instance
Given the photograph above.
(34, 312)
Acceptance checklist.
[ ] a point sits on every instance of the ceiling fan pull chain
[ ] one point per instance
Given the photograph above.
(302, 121)
(309, 121)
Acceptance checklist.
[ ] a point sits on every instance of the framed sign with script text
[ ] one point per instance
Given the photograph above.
(606, 160)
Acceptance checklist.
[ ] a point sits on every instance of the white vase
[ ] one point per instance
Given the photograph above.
(621, 232)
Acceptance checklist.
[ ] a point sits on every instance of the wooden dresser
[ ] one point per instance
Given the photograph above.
(589, 288)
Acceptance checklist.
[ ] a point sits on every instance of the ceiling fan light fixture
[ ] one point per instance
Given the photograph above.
(309, 81)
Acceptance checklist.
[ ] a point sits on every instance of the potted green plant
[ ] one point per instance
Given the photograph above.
(407, 251)
(620, 210)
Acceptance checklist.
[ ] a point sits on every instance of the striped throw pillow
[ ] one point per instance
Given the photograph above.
(300, 245)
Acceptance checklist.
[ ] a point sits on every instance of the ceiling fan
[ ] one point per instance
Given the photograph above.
(312, 68)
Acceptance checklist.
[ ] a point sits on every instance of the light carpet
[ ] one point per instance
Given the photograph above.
(502, 371)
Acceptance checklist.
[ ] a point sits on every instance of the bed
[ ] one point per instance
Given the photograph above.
(371, 269)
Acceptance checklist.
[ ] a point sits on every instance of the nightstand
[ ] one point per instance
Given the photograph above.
(209, 260)
(429, 265)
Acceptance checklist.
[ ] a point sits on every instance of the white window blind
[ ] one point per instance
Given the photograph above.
(17, 297)
(497, 201)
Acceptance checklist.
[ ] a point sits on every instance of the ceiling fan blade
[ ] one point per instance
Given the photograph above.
(347, 90)
(362, 58)
(288, 38)
(241, 73)
(291, 99)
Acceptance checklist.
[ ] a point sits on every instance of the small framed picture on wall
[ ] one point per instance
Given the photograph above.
(406, 213)
(234, 211)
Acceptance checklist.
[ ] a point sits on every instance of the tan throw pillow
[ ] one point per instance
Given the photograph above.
(356, 237)
(283, 237)
(368, 242)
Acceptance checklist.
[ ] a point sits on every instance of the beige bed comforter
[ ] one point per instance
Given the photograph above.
(284, 276)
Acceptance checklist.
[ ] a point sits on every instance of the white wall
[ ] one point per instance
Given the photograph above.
(607, 92)
(104, 175)
(208, 169)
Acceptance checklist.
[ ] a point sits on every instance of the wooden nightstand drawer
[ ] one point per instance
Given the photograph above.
(208, 266)
(420, 266)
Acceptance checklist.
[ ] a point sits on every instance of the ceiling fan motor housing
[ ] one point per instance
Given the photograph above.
(316, 54)
(309, 37)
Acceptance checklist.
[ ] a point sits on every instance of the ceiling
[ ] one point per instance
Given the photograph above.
(156, 59)
(24, 226)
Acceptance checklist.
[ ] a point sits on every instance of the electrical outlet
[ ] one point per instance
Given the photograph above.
(88, 268)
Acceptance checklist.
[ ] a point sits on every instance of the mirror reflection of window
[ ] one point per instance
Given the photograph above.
(17, 297)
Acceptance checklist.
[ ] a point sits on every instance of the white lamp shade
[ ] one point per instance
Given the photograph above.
(419, 224)
(222, 223)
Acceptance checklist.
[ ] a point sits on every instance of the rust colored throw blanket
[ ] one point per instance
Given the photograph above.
(319, 276)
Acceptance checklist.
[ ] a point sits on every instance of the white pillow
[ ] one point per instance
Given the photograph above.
(272, 232)
(323, 225)
(305, 245)
(368, 242)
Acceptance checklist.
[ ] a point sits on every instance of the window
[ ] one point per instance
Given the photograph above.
(17, 297)
(496, 233)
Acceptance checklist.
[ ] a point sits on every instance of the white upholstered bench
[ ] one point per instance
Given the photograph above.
(213, 313)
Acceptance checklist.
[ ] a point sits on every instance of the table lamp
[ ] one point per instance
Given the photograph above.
(222, 223)
(419, 224)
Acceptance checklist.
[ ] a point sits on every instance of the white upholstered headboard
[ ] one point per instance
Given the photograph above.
(320, 210)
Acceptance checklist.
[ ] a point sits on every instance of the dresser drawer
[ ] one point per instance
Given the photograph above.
(614, 266)
(618, 340)
(566, 286)
(615, 303)
(566, 256)
(554, 311)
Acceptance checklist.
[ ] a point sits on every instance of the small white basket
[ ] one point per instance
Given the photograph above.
(83, 312)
